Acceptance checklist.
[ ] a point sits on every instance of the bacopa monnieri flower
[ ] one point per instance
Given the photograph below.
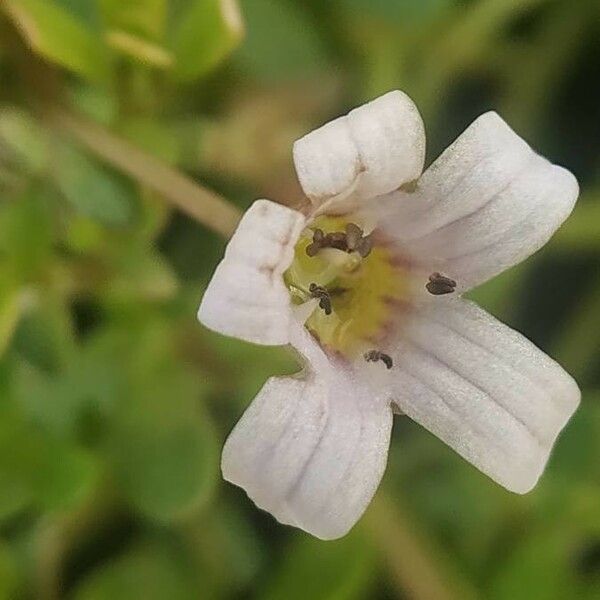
(366, 286)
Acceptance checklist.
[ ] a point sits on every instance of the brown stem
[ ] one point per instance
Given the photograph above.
(416, 569)
(203, 205)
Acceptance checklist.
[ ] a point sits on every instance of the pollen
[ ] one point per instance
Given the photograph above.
(357, 281)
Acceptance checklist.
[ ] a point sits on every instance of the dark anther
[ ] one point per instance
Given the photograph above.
(357, 241)
(317, 291)
(365, 246)
(336, 240)
(376, 355)
(351, 240)
(317, 243)
(354, 235)
(438, 284)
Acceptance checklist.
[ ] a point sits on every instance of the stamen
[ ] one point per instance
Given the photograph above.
(377, 355)
(351, 240)
(365, 246)
(317, 291)
(439, 284)
(317, 243)
(354, 235)
(337, 240)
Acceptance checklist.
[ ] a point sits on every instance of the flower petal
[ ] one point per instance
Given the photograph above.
(482, 388)
(246, 297)
(311, 450)
(373, 150)
(485, 204)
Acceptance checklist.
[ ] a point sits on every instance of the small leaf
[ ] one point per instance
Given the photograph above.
(86, 10)
(37, 468)
(546, 561)
(206, 34)
(9, 573)
(404, 11)
(45, 337)
(228, 548)
(161, 443)
(139, 48)
(147, 571)
(64, 476)
(12, 305)
(22, 136)
(281, 44)
(60, 37)
(164, 451)
(140, 275)
(143, 18)
(340, 569)
(27, 255)
(91, 189)
(153, 136)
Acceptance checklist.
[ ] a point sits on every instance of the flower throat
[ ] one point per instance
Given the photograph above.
(354, 279)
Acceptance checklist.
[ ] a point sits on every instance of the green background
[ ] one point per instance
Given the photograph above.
(115, 402)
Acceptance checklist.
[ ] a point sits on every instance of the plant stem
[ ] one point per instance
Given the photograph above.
(203, 205)
(416, 568)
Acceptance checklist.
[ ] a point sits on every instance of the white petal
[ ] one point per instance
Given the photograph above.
(482, 388)
(246, 297)
(373, 150)
(311, 450)
(486, 204)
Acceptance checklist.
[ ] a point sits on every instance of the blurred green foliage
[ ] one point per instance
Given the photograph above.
(114, 402)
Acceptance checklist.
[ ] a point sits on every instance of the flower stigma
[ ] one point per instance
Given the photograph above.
(358, 283)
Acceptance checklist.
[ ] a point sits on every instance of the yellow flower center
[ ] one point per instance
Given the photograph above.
(360, 291)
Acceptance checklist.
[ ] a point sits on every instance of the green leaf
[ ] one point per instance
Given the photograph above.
(92, 189)
(64, 476)
(227, 546)
(86, 10)
(138, 48)
(60, 37)
(22, 136)
(281, 44)
(148, 571)
(164, 452)
(152, 136)
(13, 302)
(97, 103)
(8, 573)
(26, 255)
(144, 18)
(259, 363)
(546, 561)
(136, 28)
(45, 337)
(37, 468)
(205, 35)
(161, 445)
(404, 11)
(17, 493)
(140, 275)
(340, 569)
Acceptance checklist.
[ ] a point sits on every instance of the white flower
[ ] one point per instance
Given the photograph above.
(375, 311)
